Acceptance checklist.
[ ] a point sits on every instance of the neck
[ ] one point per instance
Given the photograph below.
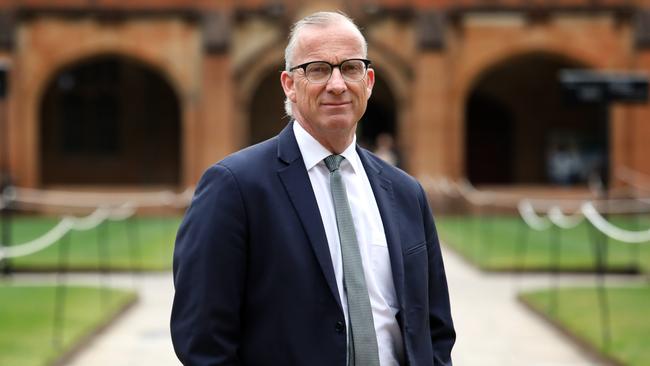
(334, 141)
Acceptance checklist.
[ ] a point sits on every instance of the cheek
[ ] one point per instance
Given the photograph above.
(311, 96)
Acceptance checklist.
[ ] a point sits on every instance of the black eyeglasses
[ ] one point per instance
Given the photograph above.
(319, 72)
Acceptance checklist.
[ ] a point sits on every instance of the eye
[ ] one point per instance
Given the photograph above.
(352, 66)
(318, 68)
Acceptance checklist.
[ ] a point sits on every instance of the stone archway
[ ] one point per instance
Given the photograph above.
(380, 117)
(109, 119)
(519, 130)
(266, 112)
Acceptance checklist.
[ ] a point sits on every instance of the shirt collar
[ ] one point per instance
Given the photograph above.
(313, 152)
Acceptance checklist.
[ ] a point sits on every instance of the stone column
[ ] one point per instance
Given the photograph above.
(214, 136)
(429, 133)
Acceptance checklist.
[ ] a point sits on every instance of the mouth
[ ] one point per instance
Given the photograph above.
(335, 104)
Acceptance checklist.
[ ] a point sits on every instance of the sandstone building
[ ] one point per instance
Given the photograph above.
(150, 93)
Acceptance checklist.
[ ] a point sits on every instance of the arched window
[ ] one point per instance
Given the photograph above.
(519, 130)
(267, 116)
(109, 120)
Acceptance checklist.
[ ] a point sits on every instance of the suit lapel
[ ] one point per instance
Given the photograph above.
(296, 181)
(382, 188)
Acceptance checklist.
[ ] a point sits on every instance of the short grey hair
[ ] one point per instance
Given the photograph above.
(319, 19)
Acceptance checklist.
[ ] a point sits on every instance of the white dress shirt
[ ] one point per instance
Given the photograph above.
(370, 236)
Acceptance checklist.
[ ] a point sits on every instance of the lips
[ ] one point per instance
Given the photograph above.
(335, 104)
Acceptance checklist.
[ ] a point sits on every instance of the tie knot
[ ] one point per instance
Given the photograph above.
(333, 162)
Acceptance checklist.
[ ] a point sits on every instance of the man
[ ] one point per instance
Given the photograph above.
(305, 249)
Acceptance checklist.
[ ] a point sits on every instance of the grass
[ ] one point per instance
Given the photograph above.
(27, 320)
(140, 243)
(506, 243)
(578, 312)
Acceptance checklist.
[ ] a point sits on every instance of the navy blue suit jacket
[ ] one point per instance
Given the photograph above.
(254, 280)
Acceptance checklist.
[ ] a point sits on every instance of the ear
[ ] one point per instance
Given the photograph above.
(288, 86)
(370, 81)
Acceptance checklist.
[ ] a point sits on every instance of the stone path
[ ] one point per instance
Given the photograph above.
(141, 336)
(493, 327)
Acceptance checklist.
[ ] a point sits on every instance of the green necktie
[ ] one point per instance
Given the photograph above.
(362, 349)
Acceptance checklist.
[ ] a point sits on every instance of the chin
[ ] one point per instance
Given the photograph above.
(339, 123)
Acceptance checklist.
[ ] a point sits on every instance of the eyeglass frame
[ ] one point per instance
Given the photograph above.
(366, 63)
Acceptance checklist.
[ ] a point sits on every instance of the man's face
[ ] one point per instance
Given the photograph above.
(332, 109)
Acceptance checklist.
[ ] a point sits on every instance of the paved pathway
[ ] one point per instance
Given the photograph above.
(493, 328)
(141, 336)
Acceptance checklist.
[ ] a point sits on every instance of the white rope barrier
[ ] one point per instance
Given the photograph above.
(57, 232)
(632, 177)
(530, 217)
(509, 200)
(123, 212)
(448, 187)
(66, 224)
(108, 206)
(39, 243)
(528, 209)
(612, 231)
(91, 221)
(38, 197)
(474, 196)
(557, 217)
(428, 183)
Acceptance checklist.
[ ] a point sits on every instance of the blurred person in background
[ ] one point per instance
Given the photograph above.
(385, 148)
(564, 164)
(305, 249)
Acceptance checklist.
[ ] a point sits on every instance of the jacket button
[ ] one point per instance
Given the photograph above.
(340, 327)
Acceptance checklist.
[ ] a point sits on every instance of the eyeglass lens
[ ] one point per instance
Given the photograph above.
(351, 70)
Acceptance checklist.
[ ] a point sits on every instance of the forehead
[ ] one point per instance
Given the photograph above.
(333, 42)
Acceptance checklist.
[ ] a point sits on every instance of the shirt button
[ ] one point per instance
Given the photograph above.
(340, 327)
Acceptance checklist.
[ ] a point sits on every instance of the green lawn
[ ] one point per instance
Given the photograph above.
(578, 312)
(27, 320)
(142, 243)
(497, 243)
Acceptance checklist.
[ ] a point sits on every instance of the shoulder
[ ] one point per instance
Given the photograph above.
(250, 161)
(246, 159)
(389, 171)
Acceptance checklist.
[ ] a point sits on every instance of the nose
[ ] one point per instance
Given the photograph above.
(336, 84)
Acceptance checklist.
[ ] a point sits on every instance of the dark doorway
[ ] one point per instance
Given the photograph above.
(380, 118)
(267, 115)
(520, 131)
(110, 120)
(490, 140)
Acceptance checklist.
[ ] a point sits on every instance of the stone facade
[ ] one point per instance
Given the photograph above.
(431, 56)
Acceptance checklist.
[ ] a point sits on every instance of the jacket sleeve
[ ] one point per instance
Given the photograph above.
(209, 273)
(443, 334)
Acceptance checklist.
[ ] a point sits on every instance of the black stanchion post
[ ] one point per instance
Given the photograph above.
(520, 256)
(476, 233)
(600, 255)
(603, 89)
(523, 246)
(165, 230)
(5, 223)
(488, 235)
(133, 240)
(602, 267)
(555, 249)
(103, 256)
(60, 295)
(458, 219)
(5, 178)
(635, 250)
